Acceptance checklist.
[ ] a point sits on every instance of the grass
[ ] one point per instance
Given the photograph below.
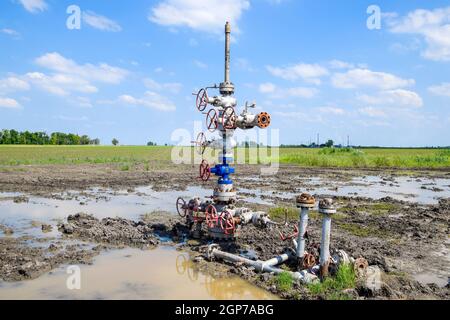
(331, 288)
(366, 158)
(284, 281)
(134, 155)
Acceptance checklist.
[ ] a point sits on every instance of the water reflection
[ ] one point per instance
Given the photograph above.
(228, 288)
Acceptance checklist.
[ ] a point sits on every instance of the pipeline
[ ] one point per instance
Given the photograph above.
(262, 266)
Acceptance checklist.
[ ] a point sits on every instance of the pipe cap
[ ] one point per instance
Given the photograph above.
(305, 200)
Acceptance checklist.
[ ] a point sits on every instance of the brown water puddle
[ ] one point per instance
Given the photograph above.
(163, 273)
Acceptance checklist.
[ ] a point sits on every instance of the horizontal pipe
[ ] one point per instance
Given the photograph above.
(262, 266)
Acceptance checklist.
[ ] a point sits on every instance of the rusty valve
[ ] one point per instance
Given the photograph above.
(205, 171)
(202, 100)
(289, 236)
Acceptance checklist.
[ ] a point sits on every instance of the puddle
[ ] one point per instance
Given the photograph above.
(399, 188)
(163, 273)
(423, 190)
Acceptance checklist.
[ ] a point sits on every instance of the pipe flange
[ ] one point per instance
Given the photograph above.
(305, 200)
(360, 266)
(210, 252)
(326, 206)
(308, 261)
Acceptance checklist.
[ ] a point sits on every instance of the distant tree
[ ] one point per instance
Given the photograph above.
(329, 143)
(115, 141)
(151, 144)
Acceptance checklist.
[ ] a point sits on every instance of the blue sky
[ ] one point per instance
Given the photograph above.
(130, 71)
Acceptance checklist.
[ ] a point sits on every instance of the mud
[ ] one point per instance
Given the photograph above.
(402, 238)
(20, 261)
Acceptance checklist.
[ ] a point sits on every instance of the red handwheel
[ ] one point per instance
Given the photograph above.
(212, 120)
(181, 207)
(202, 100)
(211, 216)
(201, 143)
(205, 171)
(229, 118)
(227, 223)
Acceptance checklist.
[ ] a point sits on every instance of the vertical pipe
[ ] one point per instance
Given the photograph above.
(325, 245)
(227, 52)
(302, 225)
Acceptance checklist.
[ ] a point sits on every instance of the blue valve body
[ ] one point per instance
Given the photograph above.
(223, 171)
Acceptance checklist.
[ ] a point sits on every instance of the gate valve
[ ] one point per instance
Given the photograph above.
(202, 100)
(205, 171)
(289, 236)
(212, 120)
(227, 223)
(229, 118)
(211, 216)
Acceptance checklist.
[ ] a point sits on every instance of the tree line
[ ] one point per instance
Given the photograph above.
(42, 138)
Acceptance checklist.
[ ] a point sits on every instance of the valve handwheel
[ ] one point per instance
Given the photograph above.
(229, 118)
(201, 143)
(181, 207)
(211, 120)
(289, 236)
(202, 100)
(211, 216)
(205, 171)
(227, 223)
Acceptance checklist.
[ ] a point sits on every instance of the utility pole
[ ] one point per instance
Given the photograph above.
(348, 141)
(318, 140)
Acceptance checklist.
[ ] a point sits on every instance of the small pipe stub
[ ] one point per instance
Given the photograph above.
(305, 201)
(327, 207)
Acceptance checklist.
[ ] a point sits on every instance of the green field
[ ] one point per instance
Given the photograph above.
(133, 155)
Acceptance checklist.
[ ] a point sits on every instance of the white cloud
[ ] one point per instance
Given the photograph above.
(394, 98)
(9, 103)
(173, 87)
(68, 118)
(432, 25)
(441, 90)
(100, 22)
(10, 32)
(83, 102)
(34, 6)
(372, 112)
(102, 72)
(338, 64)
(308, 72)
(331, 110)
(300, 116)
(267, 87)
(280, 93)
(61, 84)
(356, 78)
(151, 100)
(68, 76)
(13, 84)
(202, 15)
(200, 64)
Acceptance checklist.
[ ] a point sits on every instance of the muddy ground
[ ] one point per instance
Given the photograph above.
(401, 238)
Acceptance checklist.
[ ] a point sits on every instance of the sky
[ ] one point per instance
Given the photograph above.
(333, 68)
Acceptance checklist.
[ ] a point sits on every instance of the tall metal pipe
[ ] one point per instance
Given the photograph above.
(302, 225)
(227, 52)
(327, 209)
(305, 202)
